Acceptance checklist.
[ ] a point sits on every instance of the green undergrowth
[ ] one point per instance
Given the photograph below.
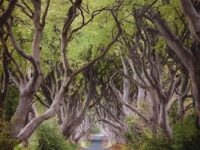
(185, 137)
(48, 137)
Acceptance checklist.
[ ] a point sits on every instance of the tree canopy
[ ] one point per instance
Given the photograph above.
(129, 68)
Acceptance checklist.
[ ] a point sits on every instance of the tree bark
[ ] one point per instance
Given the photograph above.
(195, 79)
(183, 91)
(192, 17)
(4, 17)
(191, 61)
(164, 120)
(20, 117)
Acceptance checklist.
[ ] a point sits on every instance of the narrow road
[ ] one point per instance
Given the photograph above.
(96, 143)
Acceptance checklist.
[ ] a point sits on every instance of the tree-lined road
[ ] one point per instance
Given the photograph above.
(96, 143)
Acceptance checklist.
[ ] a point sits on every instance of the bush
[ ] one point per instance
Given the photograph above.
(10, 105)
(6, 141)
(135, 135)
(185, 137)
(11, 102)
(155, 143)
(50, 139)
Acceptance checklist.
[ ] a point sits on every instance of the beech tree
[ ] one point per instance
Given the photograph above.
(188, 55)
(130, 68)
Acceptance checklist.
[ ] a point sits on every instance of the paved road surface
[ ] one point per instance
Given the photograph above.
(96, 143)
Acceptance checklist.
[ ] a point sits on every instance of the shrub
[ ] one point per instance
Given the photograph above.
(50, 139)
(6, 141)
(10, 105)
(11, 102)
(185, 137)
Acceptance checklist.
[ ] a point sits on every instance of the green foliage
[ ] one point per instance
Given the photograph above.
(50, 139)
(185, 137)
(134, 136)
(11, 102)
(6, 141)
(97, 33)
(10, 105)
(156, 142)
